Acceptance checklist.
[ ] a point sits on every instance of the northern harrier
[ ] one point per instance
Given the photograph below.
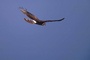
(34, 20)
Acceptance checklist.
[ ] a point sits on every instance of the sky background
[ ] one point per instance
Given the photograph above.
(65, 40)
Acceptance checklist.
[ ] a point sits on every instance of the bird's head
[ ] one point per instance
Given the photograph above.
(44, 24)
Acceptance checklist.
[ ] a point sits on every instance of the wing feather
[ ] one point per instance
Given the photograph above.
(54, 20)
(30, 15)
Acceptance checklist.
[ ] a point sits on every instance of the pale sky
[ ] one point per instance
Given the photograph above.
(65, 40)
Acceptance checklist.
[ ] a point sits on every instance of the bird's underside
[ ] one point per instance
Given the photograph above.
(34, 20)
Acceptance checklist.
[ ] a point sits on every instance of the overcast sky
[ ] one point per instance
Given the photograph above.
(65, 40)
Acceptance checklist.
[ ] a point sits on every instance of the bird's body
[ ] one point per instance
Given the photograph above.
(35, 20)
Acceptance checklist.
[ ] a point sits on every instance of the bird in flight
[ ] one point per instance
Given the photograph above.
(34, 20)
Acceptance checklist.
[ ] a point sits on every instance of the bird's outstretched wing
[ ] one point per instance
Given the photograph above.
(29, 21)
(30, 15)
(54, 20)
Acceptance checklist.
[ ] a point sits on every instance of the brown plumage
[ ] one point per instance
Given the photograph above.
(34, 19)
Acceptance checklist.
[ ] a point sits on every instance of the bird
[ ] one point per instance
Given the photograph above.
(34, 20)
